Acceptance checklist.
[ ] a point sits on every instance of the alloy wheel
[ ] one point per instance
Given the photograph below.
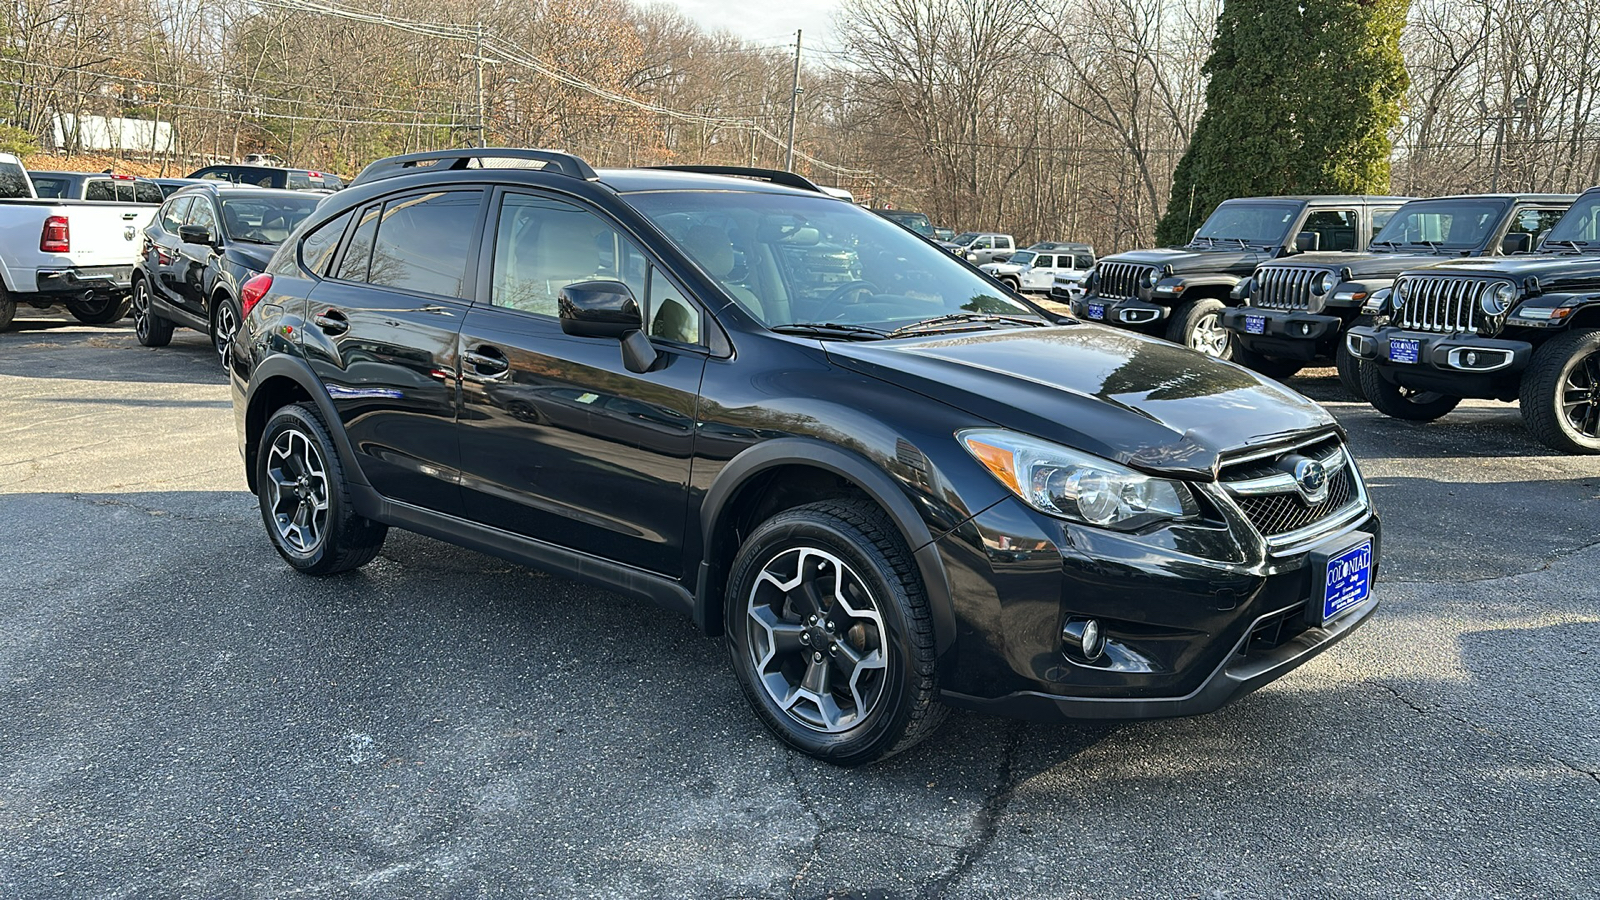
(297, 491)
(141, 310)
(1209, 337)
(1580, 396)
(227, 325)
(816, 640)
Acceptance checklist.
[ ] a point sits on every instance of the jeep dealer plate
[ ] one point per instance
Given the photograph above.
(1097, 310)
(1402, 351)
(1348, 581)
(1255, 324)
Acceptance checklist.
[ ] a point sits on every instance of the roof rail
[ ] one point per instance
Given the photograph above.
(484, 157)
(775, 176)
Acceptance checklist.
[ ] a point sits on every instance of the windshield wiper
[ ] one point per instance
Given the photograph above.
(1433, 246)
(1395, 245)
(831, 329)
(1577, 246)
(965, 317)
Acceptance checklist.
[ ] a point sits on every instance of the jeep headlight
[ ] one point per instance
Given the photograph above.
(1325, 284)
(1498, 298)
(1148, 279)
(1072, 485)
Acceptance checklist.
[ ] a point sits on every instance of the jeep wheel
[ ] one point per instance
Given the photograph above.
(149, 328)
(224, 325)
(305, 500)
(1560, 394)
(1198, 326)
(1349, 367)
(99, 310)
(1012, 283)
(1402, 402)
(1270, 366)
(830, 635)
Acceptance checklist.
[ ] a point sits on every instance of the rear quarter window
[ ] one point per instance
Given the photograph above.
(147, 192)
(13, 181)
(100, 189)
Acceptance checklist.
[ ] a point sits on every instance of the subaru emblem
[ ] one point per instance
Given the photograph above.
(1312, 479)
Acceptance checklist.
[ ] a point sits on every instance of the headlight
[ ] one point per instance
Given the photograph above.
(1325, 284)
(1498, 298)
(1148, 279)
(972, 257)
(1402, 292)
(1061, 482)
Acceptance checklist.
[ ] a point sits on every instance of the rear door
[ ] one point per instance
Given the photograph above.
(559, 440)
(382, 338)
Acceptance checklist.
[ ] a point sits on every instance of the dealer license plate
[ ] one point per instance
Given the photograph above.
(1349, 581)
(1097, 310)
(1402, 351)
(1255, 324)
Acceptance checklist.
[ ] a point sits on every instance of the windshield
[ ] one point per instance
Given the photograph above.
(1578, 226)
(915, 221)
(55, 188)
(264, 220)
(1251, 223)
(790, 259)
(1451, 224)
(1022, 257)
(965, 238)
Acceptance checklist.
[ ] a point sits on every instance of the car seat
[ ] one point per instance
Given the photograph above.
(710, 247)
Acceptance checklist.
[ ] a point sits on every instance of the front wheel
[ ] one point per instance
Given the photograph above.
(149, 328)
(1401, 402)
(102, 310)
(305, 499)
(1197, 325)
(1560, 395)
(1349, 367)
(830, 633)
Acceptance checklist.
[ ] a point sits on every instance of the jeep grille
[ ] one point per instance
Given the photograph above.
(1284, 287)
(1441, 303)
(1120, 279)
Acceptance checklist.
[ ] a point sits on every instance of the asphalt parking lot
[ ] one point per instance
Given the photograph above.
(181, 716)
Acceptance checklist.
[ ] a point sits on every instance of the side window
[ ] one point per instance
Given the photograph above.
(1337, 227)
(542, 245)
(1045, 261)
(358, 253)
(146, 192)
(422, 242)
(100, 189)
(1004, 243)
(298, 181)
(217, 173)
(668, 315)
(200, 213)
(55, 188)
(983, 243)
(1380, 218)
(172, 214)
(1082, 261)
(1535, 222)
(316, 249)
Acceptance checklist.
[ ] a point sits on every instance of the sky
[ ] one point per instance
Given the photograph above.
(767, 21)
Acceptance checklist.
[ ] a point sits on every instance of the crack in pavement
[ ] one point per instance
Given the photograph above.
(152, 511)
(1544, 566)
(816, 820)
(988, 820)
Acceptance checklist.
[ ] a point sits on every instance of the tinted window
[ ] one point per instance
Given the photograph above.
(542, 245)
(1250, 223)
(1025, 257)
(316, 250)
(13, 181)
(100, 189)
(1581, 224)
(172, 214)
(1452, 224)
(54, 188)
(201, 214)
(264, 219)
(1536, 222)
(147, 192)
(422, 242)
(1380, 218)
(298, 181)
(1336, 226)
(261, 177)
(216, 173)
(1082, 261)
(358, 255)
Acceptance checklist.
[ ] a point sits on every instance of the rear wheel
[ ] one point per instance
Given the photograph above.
(830, 634)
(1197, 325)
(1402, 402)
(149, 328)
(1270, 366)
(224, 325)
(1560, 396)
(8, 310)
(101, 310)
(305, 499)
(1349, 367)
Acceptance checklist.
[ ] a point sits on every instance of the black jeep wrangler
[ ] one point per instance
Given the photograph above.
(1188, 287)
(1297, 310)
(1525, 328)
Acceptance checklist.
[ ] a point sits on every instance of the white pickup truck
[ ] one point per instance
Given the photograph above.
(79, 253)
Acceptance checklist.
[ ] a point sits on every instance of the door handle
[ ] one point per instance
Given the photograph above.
(332, 322)
(487, 362)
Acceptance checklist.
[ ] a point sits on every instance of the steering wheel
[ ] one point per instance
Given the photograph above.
(826, 311)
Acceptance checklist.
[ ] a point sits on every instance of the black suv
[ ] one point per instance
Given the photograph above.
(204, 243)
(892, 493)
(272, 177)
(1297, 309)
(1181, 292)
(1523, 328)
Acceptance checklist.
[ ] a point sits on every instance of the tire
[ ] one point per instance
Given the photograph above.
(1403, 403)
(1348, 366)
(1012, 283)
(100, 310)
(8, 310)
(877, 626)
(1197, 325)
(149, 328)
(1564, 371)
(1270, 366)
(225, 321)
(298, 469)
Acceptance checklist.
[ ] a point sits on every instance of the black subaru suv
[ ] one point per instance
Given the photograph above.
(1297, 309)
(906, 490)
(1523, 328)
(1181, 292)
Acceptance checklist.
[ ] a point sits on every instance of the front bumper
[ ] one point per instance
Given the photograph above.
(1128, 312)
(1285, 334)
(1460, 365)
(1194, 617)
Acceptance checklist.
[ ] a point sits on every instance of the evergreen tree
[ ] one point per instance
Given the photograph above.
(1302, 100)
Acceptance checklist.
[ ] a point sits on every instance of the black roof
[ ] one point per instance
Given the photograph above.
(1521, 198)
(220, 188)
(1328, 198)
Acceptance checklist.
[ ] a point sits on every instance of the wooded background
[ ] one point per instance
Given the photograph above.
(1061, 119)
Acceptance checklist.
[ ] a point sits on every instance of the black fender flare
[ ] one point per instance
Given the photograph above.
(853, 467)
(1209, 280)
(296, 370)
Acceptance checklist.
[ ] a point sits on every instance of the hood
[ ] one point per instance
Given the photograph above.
(1116, 394)
(1556, 272)
(1363, 264)
(1002, 268)
(254, 256)
(1241, 261)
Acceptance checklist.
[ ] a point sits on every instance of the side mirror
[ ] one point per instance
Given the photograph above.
(195, 234)
(1307, 242)
(1520, 242)
(607, 309)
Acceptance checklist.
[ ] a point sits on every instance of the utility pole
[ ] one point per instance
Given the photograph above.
(483, 115)
(794, 102)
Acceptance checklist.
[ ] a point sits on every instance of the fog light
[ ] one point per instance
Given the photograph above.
(1305, 329)
(1083, 638)
(1472, 357)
